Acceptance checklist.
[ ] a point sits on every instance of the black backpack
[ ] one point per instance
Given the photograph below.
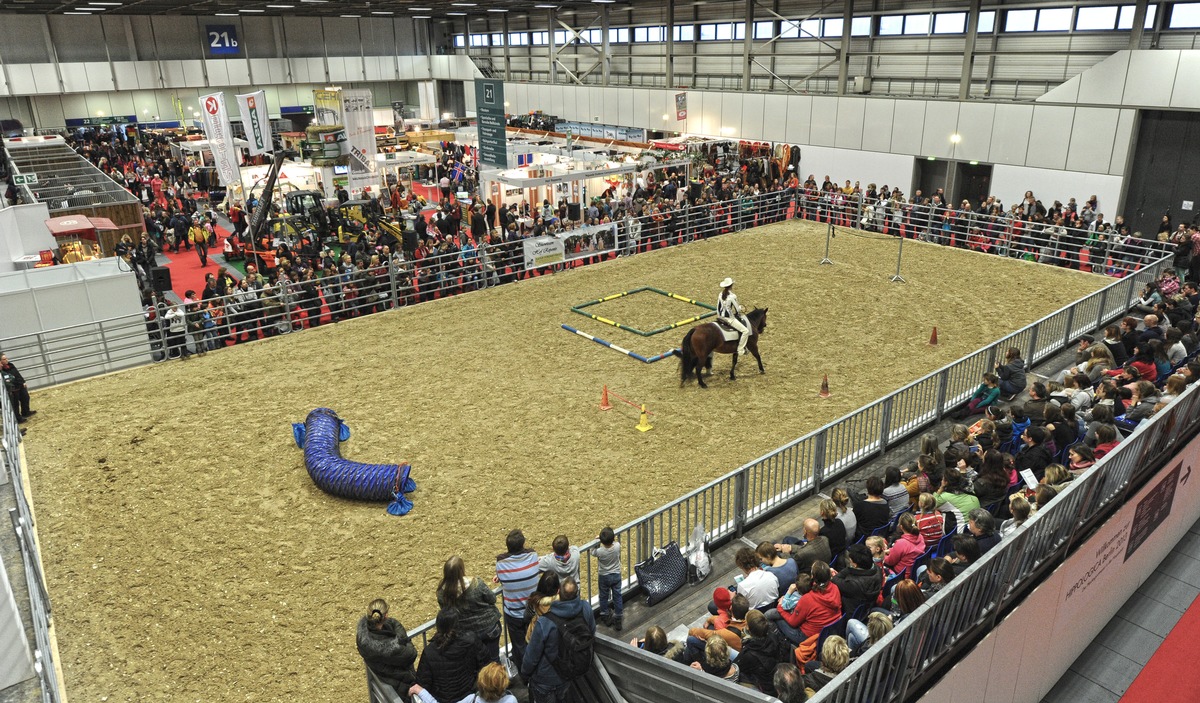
(575, 640)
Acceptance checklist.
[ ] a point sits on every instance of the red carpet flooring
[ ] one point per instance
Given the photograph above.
(1171, 675)
(186, 273)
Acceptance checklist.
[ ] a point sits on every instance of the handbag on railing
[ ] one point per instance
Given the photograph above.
(662, 574)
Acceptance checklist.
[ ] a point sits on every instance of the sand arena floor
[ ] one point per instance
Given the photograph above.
(190, 557)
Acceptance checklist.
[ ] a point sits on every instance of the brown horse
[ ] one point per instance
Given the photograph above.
(695, 354)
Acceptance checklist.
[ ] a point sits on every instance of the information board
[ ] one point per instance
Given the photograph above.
(489, 110)
(222, 40)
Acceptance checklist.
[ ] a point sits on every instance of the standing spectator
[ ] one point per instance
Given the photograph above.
(199, 237)
(563, 560)
(555, 646)
(517, 574)
(385, 648)
(451, 660)
(475, 603)
(608, 556)
(17, 389)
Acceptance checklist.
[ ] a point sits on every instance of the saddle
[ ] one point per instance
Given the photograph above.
(730, 334)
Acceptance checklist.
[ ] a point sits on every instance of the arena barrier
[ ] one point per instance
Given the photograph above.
(320, 436)
(623, 350)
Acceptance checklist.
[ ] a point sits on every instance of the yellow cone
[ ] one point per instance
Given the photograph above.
(644, 423)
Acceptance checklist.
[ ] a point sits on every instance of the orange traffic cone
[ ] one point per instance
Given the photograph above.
(604, 404)
(933, 338)
(824, 387)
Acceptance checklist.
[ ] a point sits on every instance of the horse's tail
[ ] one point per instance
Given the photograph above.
(687, 358)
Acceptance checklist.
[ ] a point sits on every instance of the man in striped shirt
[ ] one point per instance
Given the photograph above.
(517, 573)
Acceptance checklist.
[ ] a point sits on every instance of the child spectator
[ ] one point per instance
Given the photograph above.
(811, 603)
(984, 396)
(894, 491)
(564, 560)
(930, 522)
(608, 557)
(907, 549)
(656, 642)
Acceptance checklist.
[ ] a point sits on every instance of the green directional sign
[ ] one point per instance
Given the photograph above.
(27, 179)
(489, 111)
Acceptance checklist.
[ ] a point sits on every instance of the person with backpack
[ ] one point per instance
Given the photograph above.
(560, 647)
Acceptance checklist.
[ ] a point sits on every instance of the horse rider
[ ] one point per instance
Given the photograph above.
(730, 312)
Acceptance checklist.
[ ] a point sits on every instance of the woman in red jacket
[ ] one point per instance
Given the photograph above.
(819, 604)
(907, 548)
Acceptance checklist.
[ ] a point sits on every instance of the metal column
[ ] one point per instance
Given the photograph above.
(748, 46)
(968, 65)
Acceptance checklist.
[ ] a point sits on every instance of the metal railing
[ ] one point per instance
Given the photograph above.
(903, 661)
(67, 353)
(22, 522)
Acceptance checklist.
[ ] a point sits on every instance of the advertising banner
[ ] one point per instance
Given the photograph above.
(328, 107)
(491, 123)
(359, 118)
(680, 107)
(220, 138)
(255, 122)
(543, 251)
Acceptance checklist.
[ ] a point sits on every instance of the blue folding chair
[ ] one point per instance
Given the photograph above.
(945, 546)
(834, 628)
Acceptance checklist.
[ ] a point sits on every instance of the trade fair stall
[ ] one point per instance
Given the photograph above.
(77, 238)
(293, 176)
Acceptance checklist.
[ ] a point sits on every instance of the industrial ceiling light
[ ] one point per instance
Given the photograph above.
(955, 138)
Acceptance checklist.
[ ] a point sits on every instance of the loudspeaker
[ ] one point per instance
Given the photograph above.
(573, 211)
(160, 279)
(694, 190)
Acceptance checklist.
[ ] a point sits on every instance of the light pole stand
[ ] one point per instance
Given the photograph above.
(828, 236)
(897, 278)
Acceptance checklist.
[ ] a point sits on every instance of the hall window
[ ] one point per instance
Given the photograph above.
(950, 23)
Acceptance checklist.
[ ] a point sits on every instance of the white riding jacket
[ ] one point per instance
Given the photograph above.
(729, 310)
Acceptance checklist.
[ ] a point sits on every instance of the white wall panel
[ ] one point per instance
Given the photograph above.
(975, 123)
(74, 77)
(48, 109)
(238, 71)
(1123, 142)
(776, 118)
(799, 119)
(1103, 83)
(218, 75)
(640, 112)
(1049, 136)
(1010, 136)
(99, 75)
(877, 124)
(851, 116)
(1092, 139)
(338, 71)
(907, 126)
(45, 79)
(609, 104)
(21, 75)
(127, 75)
(1185, 94)
(823, 116)
(148, 77)
(1009, 183)
(752, 120)
(75, 105)
(193, 73)
(710, 113)
(941, 122)
(863, 166)
(1151, 77)
(122, 104)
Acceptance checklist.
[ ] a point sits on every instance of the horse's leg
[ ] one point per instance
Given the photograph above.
(733, 366)
(708, 363)
(700, 371)
(753, 347)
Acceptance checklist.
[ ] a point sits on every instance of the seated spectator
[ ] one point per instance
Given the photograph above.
(878, 547)
(861, 581)
(966, 552)
(1086, 344)
(930, 521)
(1035, 407)
(811, 603)
(1062, 434)
(982, 436)
(763, 649)
(1143, 402)
(1082, 458)
(451, 660)
(789, 684)
(385, 648)
(1106, 440)
(723, 600)
(835, 656)
(475, 603)
(783, 569)
(1011, 373)
(907, 548)
(1100, 415)
(815, 548)
(1057, 477)
(1004, 426)
(933, 579)
(1116, 347)
(1141, 368)
(832, 527)
(1020, 509)
(930, 445)
(841, 498)
(1176, 385)
(491, 687)
(716, 660)
(759, 587)
(732, 632)
(959, 445)
(984, 396)
(655, 642)
(894, 492)
(983, 527)
(1043, 494)
(1034, 456)
(954, 497)
(922, 477)
(872, 512)
(876, 627)
(992, 480)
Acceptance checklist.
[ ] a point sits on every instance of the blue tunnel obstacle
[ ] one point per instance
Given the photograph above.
(320, 435)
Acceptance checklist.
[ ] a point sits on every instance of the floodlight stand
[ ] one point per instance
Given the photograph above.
(899, 257)
(828, 236)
